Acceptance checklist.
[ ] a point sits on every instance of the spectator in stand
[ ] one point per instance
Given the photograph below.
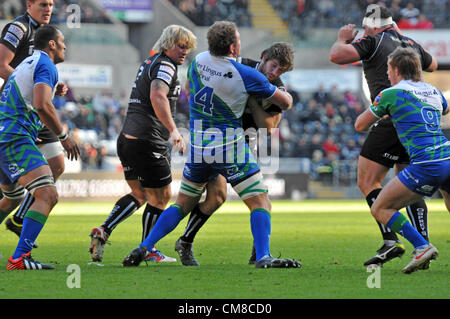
(350, 150)
(311, 112)
(395, 9)
(404, 23)
(330, 146)
(411, 13)
(321, 95)
(424, 23)
(316, 144)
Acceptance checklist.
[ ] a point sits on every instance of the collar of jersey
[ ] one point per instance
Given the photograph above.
(30, 18)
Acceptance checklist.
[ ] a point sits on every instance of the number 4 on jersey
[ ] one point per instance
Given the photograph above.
(204, 98)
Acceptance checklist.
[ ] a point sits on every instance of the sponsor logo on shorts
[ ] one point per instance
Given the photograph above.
(426, 188)
(408, 175)
(15, 171)
(391, 157)
(235, 176)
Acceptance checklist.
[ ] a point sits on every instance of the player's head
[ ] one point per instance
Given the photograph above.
(276, 60)
(376, 19)
(404, 64)
(51, 40)
(176, 42)
(40, 10)
(224, 39)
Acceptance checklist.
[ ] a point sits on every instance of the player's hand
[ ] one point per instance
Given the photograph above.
(71, 147)
(178, 142)
(347, 33)
(61, 89)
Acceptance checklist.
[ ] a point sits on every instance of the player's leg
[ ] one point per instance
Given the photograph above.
(216, 192)
(157, 199)
(124, 207)
(13, 195)
(53, 153)
(253, 191)
(39, 182)
(397, 194)
(370, 177)
(418, 211)
(190, 193)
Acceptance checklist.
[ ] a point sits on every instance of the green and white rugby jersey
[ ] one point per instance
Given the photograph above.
(416, 109)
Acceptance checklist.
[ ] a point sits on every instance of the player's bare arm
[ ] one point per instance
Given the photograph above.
(342, 52)
(262, 118)
(42, 102)
(365, 120)
(282, 99)
(158, 96)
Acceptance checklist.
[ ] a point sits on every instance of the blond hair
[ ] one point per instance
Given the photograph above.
(175, 35)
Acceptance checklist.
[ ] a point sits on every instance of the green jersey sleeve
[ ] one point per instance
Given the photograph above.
(383, 102)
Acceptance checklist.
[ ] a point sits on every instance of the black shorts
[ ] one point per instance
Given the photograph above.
(144, 161)
(46, 136)
(383, 146)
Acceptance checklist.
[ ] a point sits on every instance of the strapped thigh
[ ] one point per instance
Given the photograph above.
(42, 181)
(191, 189)
(17, 193)
(253, 185)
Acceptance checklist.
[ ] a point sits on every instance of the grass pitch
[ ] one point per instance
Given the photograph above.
(331, 238)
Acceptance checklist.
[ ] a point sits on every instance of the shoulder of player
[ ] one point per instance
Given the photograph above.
(42, 60)
(165, 61)
(164, 64)
(245, 70)
(385, 95)
(249, 62)
(17, 27)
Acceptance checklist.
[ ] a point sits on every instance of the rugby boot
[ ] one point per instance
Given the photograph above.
(421, 258)
(98, 240)
(25, 262)
(135, 258)
(186, 253)
(270, 262)
(158, 257)
(386, 253)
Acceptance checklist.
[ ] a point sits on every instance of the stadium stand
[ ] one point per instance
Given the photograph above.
(205, 12)
(317, 134)
(307, 14)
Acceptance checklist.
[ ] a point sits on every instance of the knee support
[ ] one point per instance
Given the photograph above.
(42, 181)
(17, 193)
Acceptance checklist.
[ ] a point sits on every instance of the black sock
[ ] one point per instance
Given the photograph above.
(387, 234)
(123, 209)
(149, 218)
(19, 215)
(418, 214)
(196, 220)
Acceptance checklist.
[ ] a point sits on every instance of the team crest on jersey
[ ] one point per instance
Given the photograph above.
(377, 99)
